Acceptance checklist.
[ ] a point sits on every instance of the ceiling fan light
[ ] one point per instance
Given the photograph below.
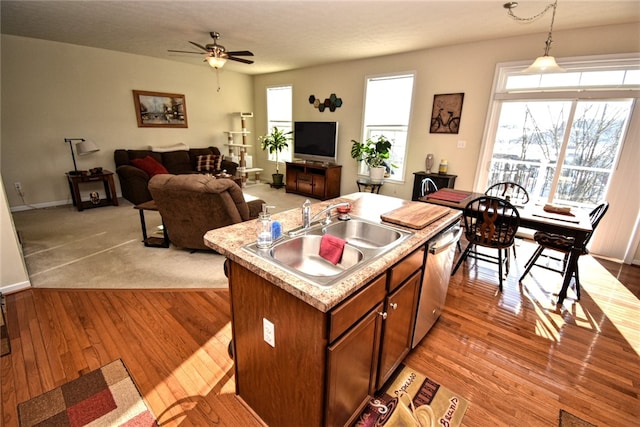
(544, 64)
(216, 61)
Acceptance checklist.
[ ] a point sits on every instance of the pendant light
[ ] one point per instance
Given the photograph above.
(545, 63)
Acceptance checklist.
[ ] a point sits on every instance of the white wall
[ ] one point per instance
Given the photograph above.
(13, 272)
(52, 91)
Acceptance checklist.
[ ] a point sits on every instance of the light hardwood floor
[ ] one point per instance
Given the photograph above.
(514, 356)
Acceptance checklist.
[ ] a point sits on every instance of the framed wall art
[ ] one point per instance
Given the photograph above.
(445, 116)
(160, 110)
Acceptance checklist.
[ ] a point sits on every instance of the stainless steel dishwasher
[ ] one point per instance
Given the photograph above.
(435, 281)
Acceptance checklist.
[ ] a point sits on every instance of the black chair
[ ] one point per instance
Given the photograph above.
(564, 245)
(490, 222)
(513, 193)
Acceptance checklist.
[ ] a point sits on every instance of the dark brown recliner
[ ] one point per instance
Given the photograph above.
(191, 205)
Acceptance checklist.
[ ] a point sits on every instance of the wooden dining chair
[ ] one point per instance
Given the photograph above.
(489, 222)
(513, 193)
(564, 245)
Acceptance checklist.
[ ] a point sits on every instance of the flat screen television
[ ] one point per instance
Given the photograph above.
(316, 141)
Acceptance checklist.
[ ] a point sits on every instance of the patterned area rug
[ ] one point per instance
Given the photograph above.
(567, 419)
(5, 346)
(104, 397)
(433, 404)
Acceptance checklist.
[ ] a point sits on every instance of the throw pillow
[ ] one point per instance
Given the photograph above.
(209, 163)
(150, 165)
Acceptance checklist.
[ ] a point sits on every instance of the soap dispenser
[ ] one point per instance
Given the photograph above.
(263, 228)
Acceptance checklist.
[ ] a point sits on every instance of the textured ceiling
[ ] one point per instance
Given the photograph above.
(287, 35)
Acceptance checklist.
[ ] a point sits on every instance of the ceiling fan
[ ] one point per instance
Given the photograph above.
(217, 55)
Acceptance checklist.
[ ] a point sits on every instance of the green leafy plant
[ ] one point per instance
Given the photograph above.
(275, 142)
(374, 152)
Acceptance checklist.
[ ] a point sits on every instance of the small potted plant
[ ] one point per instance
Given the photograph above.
(275, 142)
(375, 153)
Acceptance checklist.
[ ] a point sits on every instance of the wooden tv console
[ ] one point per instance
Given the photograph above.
(315, 180)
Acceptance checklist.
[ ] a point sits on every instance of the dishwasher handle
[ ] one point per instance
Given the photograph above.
(434, 250)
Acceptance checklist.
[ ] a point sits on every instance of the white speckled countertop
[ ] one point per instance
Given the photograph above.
(229, 241)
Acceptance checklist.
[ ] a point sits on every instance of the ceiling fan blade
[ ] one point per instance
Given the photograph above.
(241, 53)
(246, 61)
(200, 46)
(184, 51)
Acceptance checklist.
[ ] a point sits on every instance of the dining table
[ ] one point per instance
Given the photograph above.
(575, 224)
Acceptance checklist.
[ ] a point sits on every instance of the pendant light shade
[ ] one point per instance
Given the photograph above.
(544, 64)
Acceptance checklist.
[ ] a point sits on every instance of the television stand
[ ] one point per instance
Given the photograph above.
(314, 180)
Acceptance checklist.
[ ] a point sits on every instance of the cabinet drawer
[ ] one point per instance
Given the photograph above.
(305, 177)
(399, 272)
(345, 315)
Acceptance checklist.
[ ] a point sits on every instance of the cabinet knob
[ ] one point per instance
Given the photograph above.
(383, 314)
(393, 305)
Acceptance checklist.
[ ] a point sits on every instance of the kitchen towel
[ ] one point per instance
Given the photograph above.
(331, 248)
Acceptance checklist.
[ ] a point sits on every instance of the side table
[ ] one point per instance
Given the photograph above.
(439, 179)
(151, 242)
(106, 177)
(365, 184)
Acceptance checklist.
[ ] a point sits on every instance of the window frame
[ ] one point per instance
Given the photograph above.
(376, 129)
(500, 94)
(285, 155)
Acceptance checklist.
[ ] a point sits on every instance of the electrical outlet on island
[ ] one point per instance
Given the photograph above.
(269, 332)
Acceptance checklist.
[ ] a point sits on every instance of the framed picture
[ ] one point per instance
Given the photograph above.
(445, 116)
(160, 110)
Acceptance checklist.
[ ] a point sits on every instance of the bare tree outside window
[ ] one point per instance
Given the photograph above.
(530, 142)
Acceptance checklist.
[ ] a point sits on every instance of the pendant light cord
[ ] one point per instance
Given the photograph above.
(553, 5)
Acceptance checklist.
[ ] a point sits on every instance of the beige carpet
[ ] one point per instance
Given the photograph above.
(102, 248)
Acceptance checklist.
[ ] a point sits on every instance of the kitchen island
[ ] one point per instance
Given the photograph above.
(331, 348)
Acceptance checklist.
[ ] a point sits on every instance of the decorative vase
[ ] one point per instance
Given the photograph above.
(376, 175)
(444, 167)
(428, 163)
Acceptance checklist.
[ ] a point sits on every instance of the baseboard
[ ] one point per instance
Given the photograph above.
(39, 205)
(16, 287)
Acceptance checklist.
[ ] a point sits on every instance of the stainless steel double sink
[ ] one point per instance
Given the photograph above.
(299, 255)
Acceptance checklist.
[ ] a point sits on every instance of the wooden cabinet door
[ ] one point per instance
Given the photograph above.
(305, 183)
(352, 369)
(319, 186)
(292, 179)
(398, 327)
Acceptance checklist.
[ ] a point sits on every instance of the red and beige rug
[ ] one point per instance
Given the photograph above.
(433, 404)
(104, 397)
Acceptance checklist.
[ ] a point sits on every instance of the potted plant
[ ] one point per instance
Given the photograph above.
(275, 142)
(375, 153)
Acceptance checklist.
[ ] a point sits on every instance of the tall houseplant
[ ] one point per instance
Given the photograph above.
(274, 142)
(375, 153)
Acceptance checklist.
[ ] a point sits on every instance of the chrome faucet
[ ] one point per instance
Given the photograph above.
(308, 220)
(327, 211)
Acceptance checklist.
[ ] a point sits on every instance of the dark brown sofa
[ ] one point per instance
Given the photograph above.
(134, 181)
(191, 205)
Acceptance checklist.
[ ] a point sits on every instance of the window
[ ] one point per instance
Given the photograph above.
(560, 135)
(386, 112)
(279, 114)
